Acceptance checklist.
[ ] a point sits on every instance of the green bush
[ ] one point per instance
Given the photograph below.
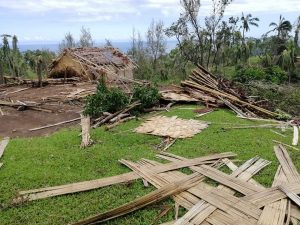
(247, 74)
(273, 74)
(148, 95)
(283, 97)
(105, 100)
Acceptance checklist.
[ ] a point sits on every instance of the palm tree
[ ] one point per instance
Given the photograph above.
(297, 30)
(283, 27)
(246, 22)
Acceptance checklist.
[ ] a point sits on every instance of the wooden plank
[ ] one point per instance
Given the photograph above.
(157, 180)
(209, 211)
(155, 196)
(252, 165)
(286, 162)
(56, 124)
(286, 145)
(292, 195)
(270, 195)
(274, 214)
(225, 179)
(295, 135)
(3, 145)
(94, 184)
(75, 187)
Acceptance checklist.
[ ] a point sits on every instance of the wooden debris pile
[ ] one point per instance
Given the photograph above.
(205, 87)
(172, 127)
(237, 199)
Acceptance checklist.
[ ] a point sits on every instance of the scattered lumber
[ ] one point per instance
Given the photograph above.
(54, 125)
(206, 203)
(41, 193)
(3, 145)
(23, 106)
(204, 86)
(155, 196)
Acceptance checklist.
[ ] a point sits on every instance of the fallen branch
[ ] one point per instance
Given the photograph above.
(119, 122)
(169, 145)
(108, 118)
(56, 124)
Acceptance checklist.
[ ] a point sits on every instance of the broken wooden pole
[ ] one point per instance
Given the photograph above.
(3, 145)
(85, 131)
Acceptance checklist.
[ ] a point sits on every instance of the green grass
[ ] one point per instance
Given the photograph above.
(57, 159)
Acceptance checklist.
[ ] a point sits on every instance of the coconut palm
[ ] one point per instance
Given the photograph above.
(297, 30)
(286, 59)
(246, 22)
(283, 27)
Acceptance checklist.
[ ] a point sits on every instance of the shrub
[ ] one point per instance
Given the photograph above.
(283, 97)
(247, 74)
(273, 74)
(148, 95)
(105, 100)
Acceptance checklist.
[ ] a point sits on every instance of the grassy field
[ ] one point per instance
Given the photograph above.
(57, 159)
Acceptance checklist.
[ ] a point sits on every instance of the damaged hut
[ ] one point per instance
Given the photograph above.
(92, 63)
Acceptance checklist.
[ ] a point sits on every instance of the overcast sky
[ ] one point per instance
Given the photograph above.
(48, 20)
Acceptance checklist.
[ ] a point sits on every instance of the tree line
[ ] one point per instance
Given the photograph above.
(216, 42)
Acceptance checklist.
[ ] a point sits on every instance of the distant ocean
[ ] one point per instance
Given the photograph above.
(123, 46)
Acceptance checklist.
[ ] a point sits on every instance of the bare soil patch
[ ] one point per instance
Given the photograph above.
(62, 100)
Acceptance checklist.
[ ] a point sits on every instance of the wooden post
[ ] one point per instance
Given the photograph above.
(39, 71)
(85, 131)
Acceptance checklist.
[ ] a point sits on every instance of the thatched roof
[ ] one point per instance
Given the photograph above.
(93, 60)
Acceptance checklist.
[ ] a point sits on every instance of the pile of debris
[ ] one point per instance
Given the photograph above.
(237, 199)
(205, 87)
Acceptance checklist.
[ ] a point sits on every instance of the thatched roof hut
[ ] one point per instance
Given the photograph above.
(92, 63)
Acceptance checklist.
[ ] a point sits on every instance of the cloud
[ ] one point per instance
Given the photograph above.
(73, 10)
(108, 10)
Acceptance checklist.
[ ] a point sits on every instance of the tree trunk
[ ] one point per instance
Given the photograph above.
(39, 72)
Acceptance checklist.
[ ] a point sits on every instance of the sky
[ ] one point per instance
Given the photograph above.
(40, 21)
